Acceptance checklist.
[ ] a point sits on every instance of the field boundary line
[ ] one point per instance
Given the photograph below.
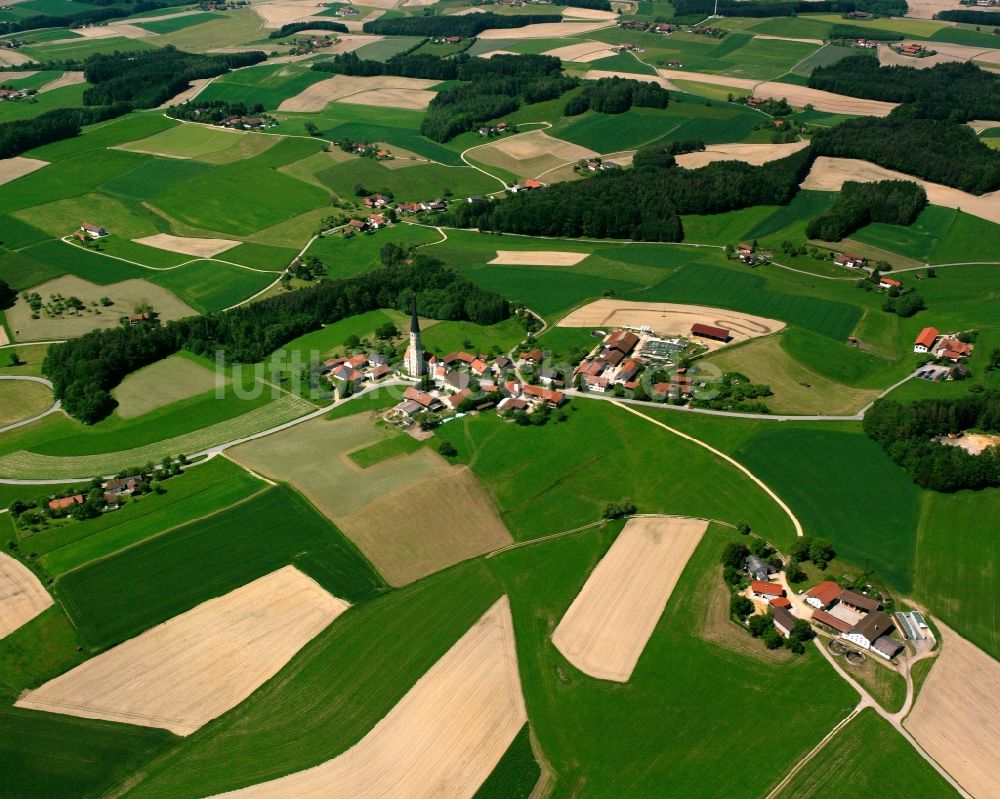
(767, 489)
(815, 751)
(66, 240)
(162, 533)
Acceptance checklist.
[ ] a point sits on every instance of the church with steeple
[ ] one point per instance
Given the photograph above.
(415, 359)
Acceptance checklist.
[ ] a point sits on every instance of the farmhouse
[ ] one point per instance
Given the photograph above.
(409, 208)
(123, 485)
(822, 617)
(93, 231)
(377, 201)
(140, 318)
(851, 261)
(952, 349)
(925, 341)
(759, 569)
(762, 588)
(547, 395)
(421, 398)
(65, 502)
(710, 332)
(12, 94)
(532, 356)
(526, 185)
(784, 621)
(889, 283)
(780, 602)
(824, 595)
(870, 629)
(859, 602)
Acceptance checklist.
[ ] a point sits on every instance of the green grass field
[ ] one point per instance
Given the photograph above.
(199, 493)
(43, 648)
(377, 650)
(209, 286)
(572, 714)
(589, 461)
(385, 450)
(170, 574)
(515, 774)
(162, 383)
(64, 97)
(849, 766)
(178, 23)
(406, 184)
(958, 562)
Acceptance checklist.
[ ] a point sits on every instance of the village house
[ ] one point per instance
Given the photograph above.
(93, 231)
(435, 205)
(780, 602)
(872, 627)
(357, 225)
(409, 208)
(889, 283)
(850, 261)
(526, 185)
(65, 502)
(663, 27)
(784, 621)
(912, 49)
(758, 568)
(532, 356)
(925, 341)
(766, 590)
(547, 395)
(950, 348)
(346, 11)
(681, 384)
(12, 94)
(121, 485)
(145, 317)
(416, 401)
(376, 221)
(823, 595)
(376, 201)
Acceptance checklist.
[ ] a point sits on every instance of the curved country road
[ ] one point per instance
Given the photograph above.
(57, 405)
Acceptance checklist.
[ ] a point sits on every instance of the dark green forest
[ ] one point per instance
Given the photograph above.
(895, 202)
(465, 25)
(616, 96)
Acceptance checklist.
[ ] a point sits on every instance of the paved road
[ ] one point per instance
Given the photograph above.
(55, 406)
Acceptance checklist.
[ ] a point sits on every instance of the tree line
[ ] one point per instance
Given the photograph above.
(213, 111)
(895, 202)
(933, 149)
(955, 91)
(907, 433)
(970, 16)
(643, 203)
(788, 8)
(465, 25)
(122, 82)
(88, 15)
(857, 32)
(84, 370)
(315, 25)
(492, 88)
(616, 96)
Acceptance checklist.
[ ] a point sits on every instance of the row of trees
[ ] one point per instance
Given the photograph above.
(643, 203)
(122, 82)
(933, 149)
(493, 88)
(895, 202)
(315, 25)
(87, 15)
(84, 370)
(464, 25)
(408, 65)
(616, 96)
(955, 91)
(213, 111)
(783, 8)
(857, 32)
(970, 16)
(907, 433)
(149, 78)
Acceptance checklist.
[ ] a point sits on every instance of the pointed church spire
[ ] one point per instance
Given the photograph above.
(414, 324)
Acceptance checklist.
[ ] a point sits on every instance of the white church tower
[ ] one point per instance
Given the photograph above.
(416, 364)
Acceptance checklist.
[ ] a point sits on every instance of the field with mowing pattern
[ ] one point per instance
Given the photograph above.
(170, 380)
(22, 399)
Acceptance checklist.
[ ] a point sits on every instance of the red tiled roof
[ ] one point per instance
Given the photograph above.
(547, 394)
(766, 588)
(698, 329)
(380, 371)
(421, 398)
(65, 502)
(780, 602)
(825, 592)
(927, 336)
(888, 281)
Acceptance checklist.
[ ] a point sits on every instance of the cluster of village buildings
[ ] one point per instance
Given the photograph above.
(944, 346)
(15, 94)
(852, 616)
(113, 492)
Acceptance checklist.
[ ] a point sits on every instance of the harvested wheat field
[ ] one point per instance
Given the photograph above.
(755, 154)
(801, 96)
(11, 58)
(200, 248)
(18, 167)
(126, 29)
(392, 98)
(957, 715)
(22, 596)
(277, 14)
(829, 174)
(66, 79)
(6, 76)
(537, 258)
(187, 671)
(492, 53)
(444, 737)
(529, 154)
(589, 13)
(585, 52)
(375, 506)
(427, 526)
(316, 97)
(888, 57)
(926, 9)
(197, 84)
(125, 296)
(543, 30)
(606, 628)
(670, 319)
(347, 43)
